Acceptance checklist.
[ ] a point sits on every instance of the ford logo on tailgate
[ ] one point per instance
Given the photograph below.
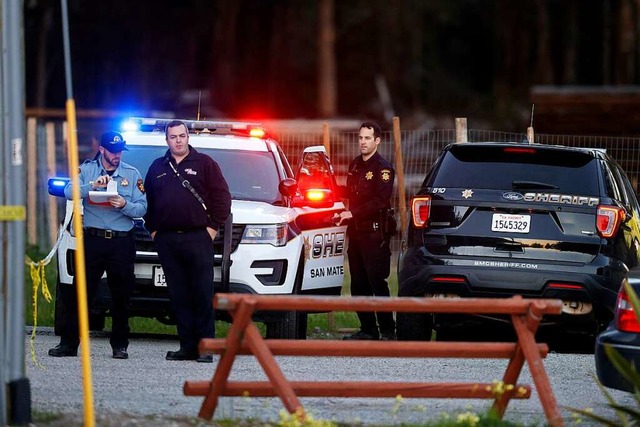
(512, 196)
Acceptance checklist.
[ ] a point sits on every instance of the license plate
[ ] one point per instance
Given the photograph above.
(510, 223)
(158, 276)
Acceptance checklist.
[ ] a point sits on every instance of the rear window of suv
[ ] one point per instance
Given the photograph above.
(518, 168)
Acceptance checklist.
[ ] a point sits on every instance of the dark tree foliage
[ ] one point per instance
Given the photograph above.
(258, 59)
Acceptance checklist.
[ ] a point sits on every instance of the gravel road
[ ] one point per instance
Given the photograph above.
(147, 385)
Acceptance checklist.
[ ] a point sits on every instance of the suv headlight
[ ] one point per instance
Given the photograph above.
(274, 234)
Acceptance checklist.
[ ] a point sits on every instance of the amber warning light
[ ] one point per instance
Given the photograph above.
(316, 195)
(257, 132)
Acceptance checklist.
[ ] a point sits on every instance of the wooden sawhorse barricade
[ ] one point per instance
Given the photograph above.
(244, 338)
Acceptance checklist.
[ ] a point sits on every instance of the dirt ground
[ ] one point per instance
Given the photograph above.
(128, 420)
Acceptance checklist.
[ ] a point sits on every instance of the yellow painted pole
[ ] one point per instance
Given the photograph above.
(81, 284)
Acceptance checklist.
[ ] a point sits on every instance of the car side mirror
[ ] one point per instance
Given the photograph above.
(288, 187)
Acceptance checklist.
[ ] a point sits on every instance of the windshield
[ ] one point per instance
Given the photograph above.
(251, 175)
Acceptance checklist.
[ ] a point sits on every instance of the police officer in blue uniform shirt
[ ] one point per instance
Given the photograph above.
(108, 241)
(369, 190)
(189, 200)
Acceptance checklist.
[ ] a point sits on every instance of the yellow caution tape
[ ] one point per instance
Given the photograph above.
(39, 280)
(13, 213)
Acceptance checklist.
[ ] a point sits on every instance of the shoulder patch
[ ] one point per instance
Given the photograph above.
(385, 175)
(140, 185)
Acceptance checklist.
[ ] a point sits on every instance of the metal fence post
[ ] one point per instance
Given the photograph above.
(13, 102)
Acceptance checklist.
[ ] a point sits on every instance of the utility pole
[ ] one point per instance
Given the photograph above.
(12, 215)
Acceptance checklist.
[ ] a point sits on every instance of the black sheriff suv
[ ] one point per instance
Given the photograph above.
(503, 219)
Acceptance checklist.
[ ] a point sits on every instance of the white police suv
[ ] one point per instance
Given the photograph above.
(279, 239)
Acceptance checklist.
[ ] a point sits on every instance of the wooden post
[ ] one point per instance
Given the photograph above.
(331, 321)
(400, 173)
(32, 181)
(52, 218)
(461, 129)
(65, 138)
(325, 138)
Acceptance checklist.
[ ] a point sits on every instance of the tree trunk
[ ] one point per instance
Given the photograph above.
(41, 61)
(224, 45)
(570, 52)
(544, 68)
(625, 44)
(327, 81)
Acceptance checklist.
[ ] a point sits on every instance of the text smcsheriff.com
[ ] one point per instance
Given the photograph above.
(505, 264)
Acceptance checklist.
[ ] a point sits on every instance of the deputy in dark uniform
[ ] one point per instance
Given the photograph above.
(189, 200)
(108, 242)
(369, 191)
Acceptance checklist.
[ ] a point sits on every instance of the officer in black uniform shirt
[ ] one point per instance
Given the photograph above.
(369, 190)
(188, 200)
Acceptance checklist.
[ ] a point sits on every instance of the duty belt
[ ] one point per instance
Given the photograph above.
(364, 225)
(107, 234)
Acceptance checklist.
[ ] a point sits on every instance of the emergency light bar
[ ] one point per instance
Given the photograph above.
(147, 124)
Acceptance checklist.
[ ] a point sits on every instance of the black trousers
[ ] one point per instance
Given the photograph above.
(114, 256)
(369, 266)
(187, 261)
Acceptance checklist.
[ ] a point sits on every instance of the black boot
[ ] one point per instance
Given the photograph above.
(63, 350)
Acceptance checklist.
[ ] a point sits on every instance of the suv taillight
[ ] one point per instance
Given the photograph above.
(420, 210)
(626, 320)
(608, 220)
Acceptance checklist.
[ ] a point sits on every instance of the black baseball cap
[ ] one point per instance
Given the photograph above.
(113, 141)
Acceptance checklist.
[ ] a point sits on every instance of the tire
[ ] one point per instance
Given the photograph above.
(293, 324)
(414, 326)
(285, 328)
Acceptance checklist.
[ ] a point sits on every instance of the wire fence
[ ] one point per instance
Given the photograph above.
(419, 150)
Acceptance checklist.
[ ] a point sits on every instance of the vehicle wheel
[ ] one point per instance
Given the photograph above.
(414, 326)
(561, 342)
(293, 324)
(285, 328)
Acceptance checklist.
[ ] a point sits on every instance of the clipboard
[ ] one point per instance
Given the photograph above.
(102, 197)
